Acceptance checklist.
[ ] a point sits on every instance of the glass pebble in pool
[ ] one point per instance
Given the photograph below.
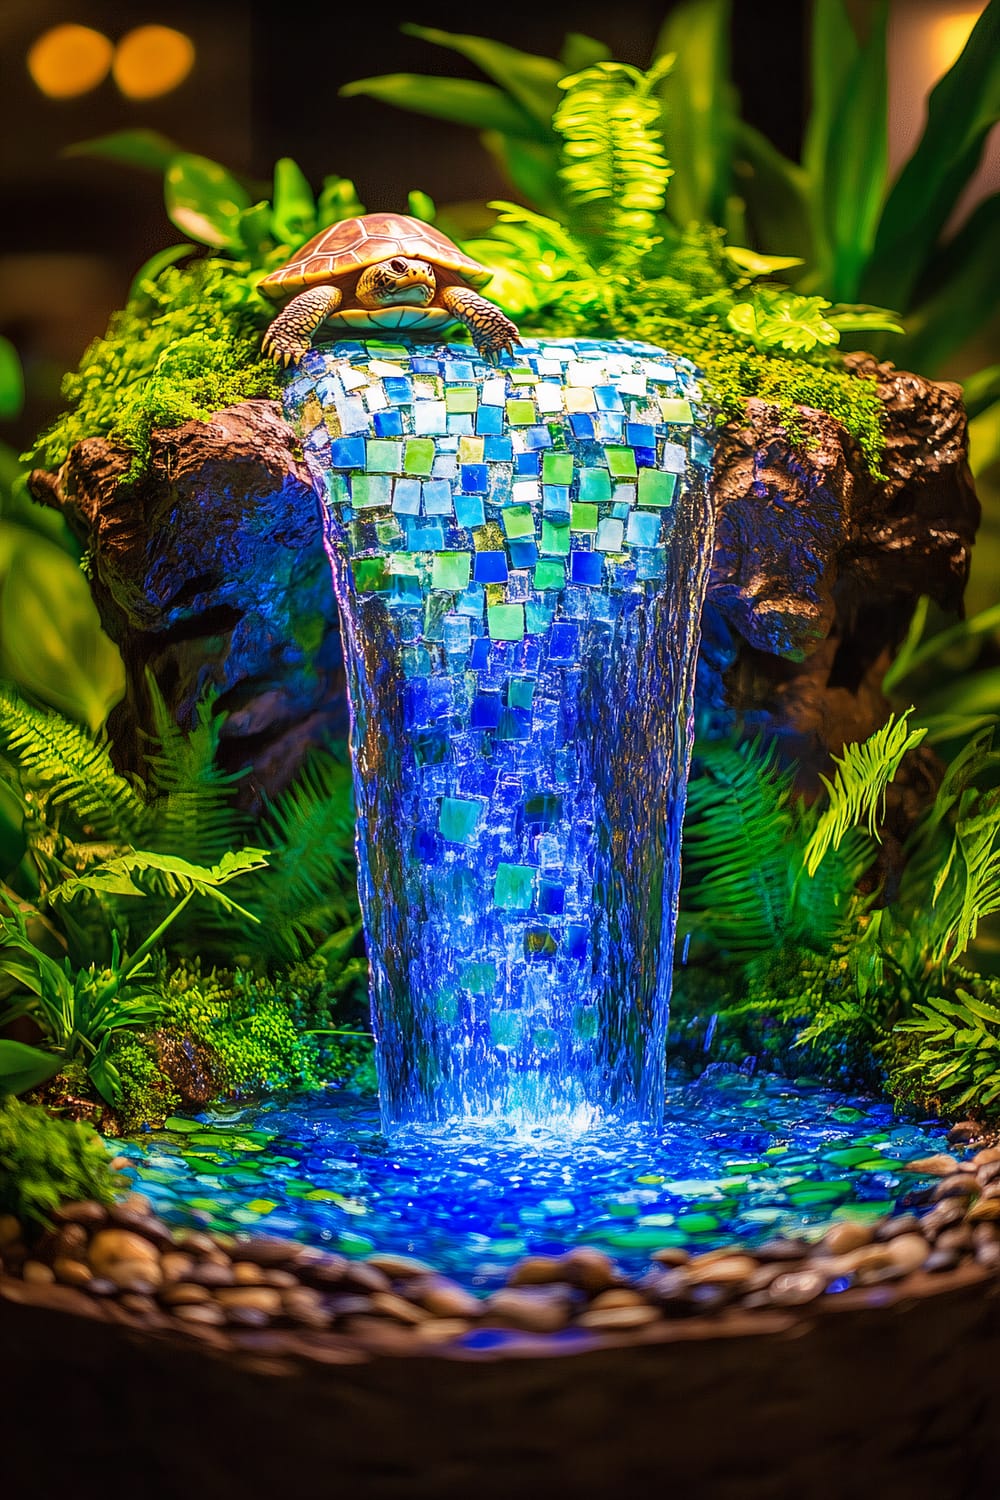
(519, 556)
(740, 1160)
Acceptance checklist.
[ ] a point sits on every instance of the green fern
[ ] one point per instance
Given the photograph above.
(309, 890)
(614, 168)
(191, 804)
(856, 795)
(72, 768)
(142, 871)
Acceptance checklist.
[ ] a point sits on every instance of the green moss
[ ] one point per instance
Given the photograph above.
(186, 345)
(147, 1097)
(45, 1162)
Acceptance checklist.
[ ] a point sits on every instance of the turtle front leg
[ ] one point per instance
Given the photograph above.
(290, 335)
(492, 331)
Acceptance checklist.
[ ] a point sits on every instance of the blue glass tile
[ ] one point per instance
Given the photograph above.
(387, 424)
(458, 372)
(406, 591)
(424, 536)
(486, 710)
(489, 421)
(347, 453)
(490, 567)
(424, 366)
(551, 898)
(643, 528)
(469, 510)
(575, 941)
(608, 398)
(645, 458)
(406, 497)
(640, 435)
(437, 497)
(398, 389)
(527, 465)
(674, 458)
(564, 641)
(609, 427)
(475, 478)
(480, 653)
(582, 427)
(537, 438)
(556, 499)
(536, 617)
(523, 552)
(498, 450)
(586, 568)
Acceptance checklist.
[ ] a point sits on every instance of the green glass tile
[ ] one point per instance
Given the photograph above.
(518, 521)
(383, 457)
(550, 575)
(557, 468)
(582, 517)
(460, 398)
(676, 410)
(480, 978)
(506, 1027)
(585, 1026)
(522, 377)
(452, 570)
(418, 457)
(621, 462)
(506, 622)
(521, 413)
(520, 692)
(370, 575)
(555, 538)
(370, 489)
(656, 487)
(458, 819)
(595, 484)
(539, 943)
(513, 888)
(537, 618)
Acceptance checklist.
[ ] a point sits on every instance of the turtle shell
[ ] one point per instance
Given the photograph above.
(353, 244)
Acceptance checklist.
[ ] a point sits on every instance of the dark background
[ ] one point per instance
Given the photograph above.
(265, 84)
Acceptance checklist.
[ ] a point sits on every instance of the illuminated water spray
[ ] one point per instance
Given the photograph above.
(519, 556)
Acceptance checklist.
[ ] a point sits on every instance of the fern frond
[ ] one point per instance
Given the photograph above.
(736, 874)
(192, 805)
(142, 871)
(856, 796)
(615, 170)
(309, 889)
(72, 766)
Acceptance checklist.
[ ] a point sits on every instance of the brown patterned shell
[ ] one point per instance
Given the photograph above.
(356, 243)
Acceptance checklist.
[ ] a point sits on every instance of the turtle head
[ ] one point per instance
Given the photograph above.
(398, 280)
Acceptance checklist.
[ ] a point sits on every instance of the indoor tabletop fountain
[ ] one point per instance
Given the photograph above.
(517, 915)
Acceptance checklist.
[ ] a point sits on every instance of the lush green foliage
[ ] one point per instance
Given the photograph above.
(45, 1162)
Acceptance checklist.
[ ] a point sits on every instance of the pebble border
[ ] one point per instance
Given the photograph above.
(266, 1297)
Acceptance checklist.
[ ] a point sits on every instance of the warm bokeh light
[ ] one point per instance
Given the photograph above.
(948, 35)
(69, 60)
(152, 60)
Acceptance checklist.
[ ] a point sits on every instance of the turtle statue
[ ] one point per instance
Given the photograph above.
(383, 271)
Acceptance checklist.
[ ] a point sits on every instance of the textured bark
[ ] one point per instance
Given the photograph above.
(210, 571)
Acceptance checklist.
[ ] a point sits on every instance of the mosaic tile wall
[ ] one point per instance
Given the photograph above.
(519, 555)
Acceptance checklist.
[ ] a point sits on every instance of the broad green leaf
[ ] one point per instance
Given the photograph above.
(833, 55)
(464, 101)
(11, 382)
(23, 1067)
(961, 111)
(338, 200)
(204, 201)
(775, 191)
(981, 390)
(977, 694)
(984, 443)
(151, 268)
(857, 156)
(421, 206)
(579, 51)
(255, 230)
(856, 319)
(754, 264)
(133, 148)
(293, 212)
(963, 276)
(51, 641)
(698, 109)
(529, 79)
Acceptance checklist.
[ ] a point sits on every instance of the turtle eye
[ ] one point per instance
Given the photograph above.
(399, 266)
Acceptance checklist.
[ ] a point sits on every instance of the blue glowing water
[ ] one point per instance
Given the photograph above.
(740, 1160)
(519, 555)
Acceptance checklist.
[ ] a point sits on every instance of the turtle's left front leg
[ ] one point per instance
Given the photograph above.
(290, 334)
(492, 331)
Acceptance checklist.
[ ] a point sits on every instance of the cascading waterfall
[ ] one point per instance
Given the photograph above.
(520, 556)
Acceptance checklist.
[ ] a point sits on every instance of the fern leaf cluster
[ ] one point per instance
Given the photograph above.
(856, 795)
(614, 168)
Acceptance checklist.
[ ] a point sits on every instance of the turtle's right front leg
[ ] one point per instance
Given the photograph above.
(290, 335)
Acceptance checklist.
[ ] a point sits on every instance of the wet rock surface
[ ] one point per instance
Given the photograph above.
(210, 570)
